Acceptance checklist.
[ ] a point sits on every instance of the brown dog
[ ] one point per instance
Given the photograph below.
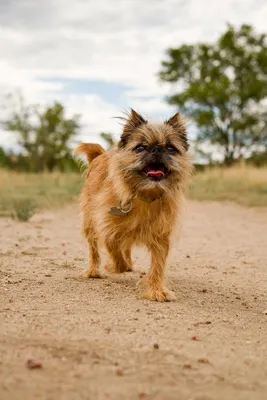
(132, 195)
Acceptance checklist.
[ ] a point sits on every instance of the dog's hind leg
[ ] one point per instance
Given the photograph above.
(120, 260)
(128, 259)
(94, 257)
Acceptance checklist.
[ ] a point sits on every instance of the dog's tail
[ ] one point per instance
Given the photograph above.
(91, 150)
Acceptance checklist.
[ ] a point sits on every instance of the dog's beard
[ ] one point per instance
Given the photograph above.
(152, 175)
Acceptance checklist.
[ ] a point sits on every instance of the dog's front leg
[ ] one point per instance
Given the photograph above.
(153, 283)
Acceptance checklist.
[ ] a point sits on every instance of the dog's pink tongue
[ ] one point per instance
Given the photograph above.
(155, 173)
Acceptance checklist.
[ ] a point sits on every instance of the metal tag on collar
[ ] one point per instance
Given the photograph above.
(119, 210)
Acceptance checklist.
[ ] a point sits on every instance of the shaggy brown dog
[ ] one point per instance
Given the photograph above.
(132, 195)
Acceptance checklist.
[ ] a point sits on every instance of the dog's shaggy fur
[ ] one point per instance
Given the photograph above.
(145, 176)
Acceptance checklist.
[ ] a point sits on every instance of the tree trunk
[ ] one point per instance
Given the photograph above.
(229, 159)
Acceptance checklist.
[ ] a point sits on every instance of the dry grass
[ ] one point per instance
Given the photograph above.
(244, 185)
(44, 190)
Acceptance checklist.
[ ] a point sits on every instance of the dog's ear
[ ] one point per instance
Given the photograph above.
(178, 125)
(133, 121)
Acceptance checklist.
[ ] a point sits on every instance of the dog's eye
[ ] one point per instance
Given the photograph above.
(139, 148)
(171, 149)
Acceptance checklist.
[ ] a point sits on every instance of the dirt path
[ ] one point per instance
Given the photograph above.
(96, 340)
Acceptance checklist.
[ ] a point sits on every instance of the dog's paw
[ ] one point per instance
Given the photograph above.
(117, 269)
(149, 292)
(92, 274)
(111, 268)
(160, 295)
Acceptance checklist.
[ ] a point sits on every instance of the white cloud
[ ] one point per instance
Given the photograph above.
(121, 42)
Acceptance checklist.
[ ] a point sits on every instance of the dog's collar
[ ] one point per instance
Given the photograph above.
(124, 210)
(121, 210)
(150, 199)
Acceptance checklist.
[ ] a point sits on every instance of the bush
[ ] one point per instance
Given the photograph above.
(23, 209)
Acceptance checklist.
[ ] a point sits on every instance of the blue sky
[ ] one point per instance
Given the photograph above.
(110, 92)
(102, 57)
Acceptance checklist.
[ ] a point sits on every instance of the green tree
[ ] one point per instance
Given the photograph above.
(108, 139)
(222, 87)
(43, 134)
(4, 159)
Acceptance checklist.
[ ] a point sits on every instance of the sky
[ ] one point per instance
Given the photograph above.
(101, 57)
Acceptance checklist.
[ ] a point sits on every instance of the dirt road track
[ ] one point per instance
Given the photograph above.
(96, 340)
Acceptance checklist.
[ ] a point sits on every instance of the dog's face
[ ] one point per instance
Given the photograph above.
(152, 158)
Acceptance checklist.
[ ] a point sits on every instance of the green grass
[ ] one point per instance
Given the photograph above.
(23, 194)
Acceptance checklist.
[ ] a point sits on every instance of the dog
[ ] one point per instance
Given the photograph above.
(133, 195)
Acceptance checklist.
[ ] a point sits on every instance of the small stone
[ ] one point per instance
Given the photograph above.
(156, 346)
(33, 364)
(187, 366)
(202, 323)
(119, 372)
(265, 312)
(203, 360)
(142, 396)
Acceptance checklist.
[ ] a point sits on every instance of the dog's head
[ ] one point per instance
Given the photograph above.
(153, 158)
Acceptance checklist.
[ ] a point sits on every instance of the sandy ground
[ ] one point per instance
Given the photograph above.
(96, 340)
